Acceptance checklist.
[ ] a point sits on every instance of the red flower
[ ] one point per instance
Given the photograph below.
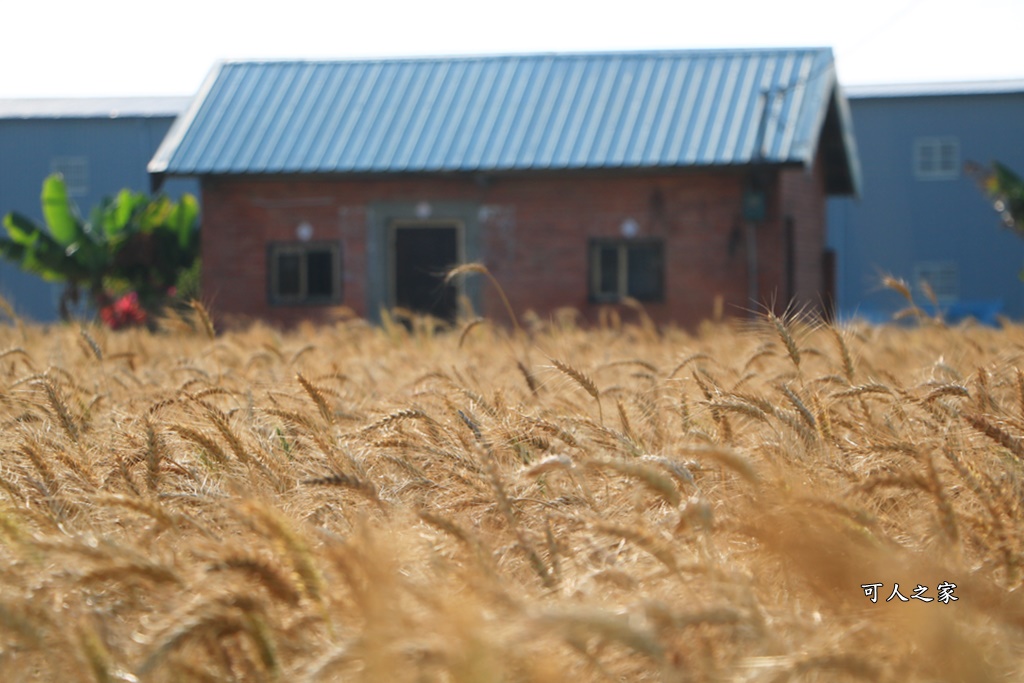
(124, 312)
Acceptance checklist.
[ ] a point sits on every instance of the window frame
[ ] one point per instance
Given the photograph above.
(623, 246)
(412, 224)
(935, 146)
(75, 172)
(303, 249)
(944, 280)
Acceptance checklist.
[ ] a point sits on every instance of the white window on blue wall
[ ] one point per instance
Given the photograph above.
(941, 276)
(76, 174)
(936, 158)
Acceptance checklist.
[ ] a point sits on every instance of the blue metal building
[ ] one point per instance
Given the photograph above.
(921, 216)
(101, 145)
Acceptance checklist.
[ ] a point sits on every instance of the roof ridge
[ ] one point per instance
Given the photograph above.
(581, 54)
(92, 107)
(936, 88)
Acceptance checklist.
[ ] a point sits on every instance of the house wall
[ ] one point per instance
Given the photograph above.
(803, 204)
(901, 220)
(533, 234)
(115, 152)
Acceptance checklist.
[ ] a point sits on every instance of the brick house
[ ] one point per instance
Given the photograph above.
(671, 177)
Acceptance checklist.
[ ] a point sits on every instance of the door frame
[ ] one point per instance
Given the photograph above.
(412, 224)
(379, 263)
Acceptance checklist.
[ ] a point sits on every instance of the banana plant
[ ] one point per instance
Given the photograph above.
(131, 243)
(1006, 191)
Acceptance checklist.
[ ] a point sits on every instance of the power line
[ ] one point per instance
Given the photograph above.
(883, 25)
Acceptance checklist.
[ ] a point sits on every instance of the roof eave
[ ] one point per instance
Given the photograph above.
(161, 161)
(849, 141)
(482, 171)
(833, 100)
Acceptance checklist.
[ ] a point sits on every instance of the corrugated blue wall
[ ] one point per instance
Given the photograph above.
(117, 151)
(900, 220)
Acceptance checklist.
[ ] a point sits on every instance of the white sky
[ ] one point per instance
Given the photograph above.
(65, 48)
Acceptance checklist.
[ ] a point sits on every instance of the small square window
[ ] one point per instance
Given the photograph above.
(75, 171)
(289, 275)
(942, 277)
(320, 274)
(936, 158)
(607, 277)
(305, 273)
(620, 268)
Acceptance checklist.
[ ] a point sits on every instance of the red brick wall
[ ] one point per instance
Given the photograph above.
(534, 235)
(803, 198)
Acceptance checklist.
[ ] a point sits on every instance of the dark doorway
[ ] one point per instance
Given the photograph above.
(423, 254)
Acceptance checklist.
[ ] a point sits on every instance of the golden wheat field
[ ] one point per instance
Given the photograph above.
(615, 502)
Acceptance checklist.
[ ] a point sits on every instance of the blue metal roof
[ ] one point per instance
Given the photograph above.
(486, 114)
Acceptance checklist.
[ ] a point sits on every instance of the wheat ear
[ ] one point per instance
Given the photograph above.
(787, 339)
(317, 395)
(584, 381)
(204, 317)
(481, 269)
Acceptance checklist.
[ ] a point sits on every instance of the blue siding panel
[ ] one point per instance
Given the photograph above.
(901, 221)
(577, 111)
(114, 137)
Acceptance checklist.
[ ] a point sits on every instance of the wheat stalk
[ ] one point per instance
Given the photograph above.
(997, 433)
(481, 269)
(583, 380)
(204, 318)
(59, 407)
(208, 444)
(649, 476)
(363, 486)
(91, 343)
(787, 339)
(279, 583)
(801, 409)
(291, 544)
(317, 395)
(469, 327)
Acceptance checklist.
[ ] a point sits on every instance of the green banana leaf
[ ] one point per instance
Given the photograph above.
(21, 229)
(183, 221)
(131, 241)
(42, 254)
(1005, 189)
(123, 210)
(37, 252)
(59, 213)
(154, 215)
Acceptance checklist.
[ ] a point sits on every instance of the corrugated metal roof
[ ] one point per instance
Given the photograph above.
(92, 107)
(543, 111)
